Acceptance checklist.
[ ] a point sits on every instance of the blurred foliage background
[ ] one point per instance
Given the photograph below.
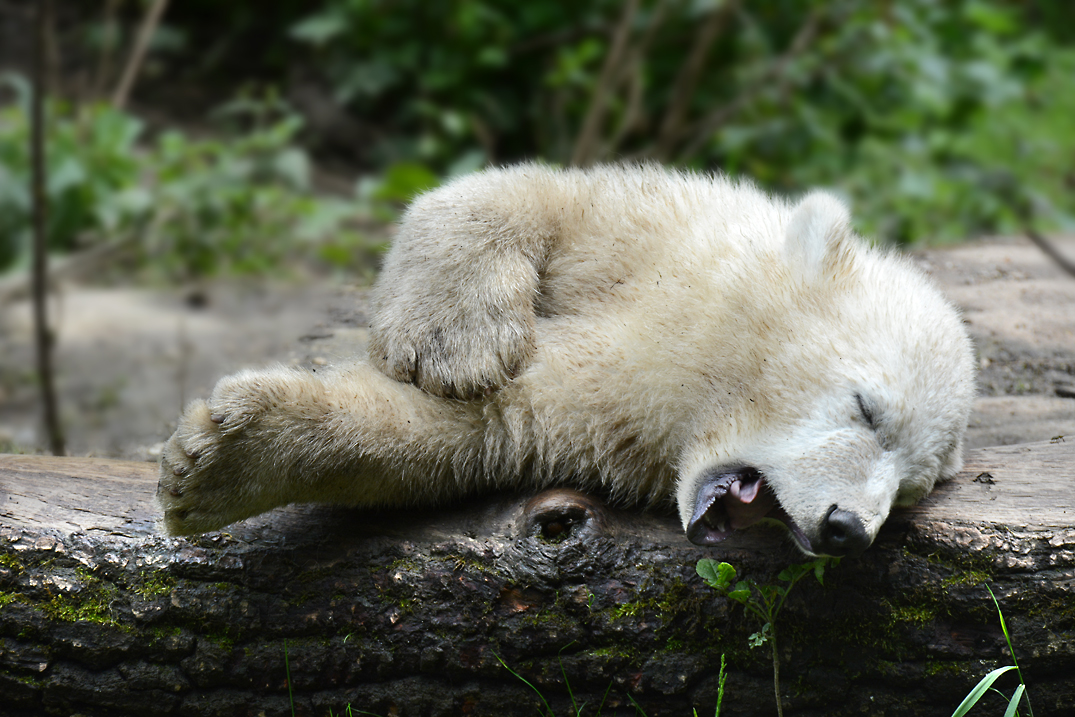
(264, 134)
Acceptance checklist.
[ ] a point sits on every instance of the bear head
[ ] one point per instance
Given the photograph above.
(860, 402)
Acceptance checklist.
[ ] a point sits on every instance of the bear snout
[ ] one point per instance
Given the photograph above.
(841, 533)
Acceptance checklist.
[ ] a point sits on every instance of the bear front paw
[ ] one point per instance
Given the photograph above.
(221, 464)
(192, 491)
(451, 362)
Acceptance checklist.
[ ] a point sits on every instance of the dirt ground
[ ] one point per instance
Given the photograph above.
(128, 359)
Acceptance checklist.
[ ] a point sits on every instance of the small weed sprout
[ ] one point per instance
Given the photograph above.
(548, 709)
(291, 697)
(576, 709)
(986, 683)
(720, 688)
(287, 675)
(762, 601)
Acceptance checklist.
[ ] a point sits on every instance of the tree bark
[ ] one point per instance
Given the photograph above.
(411, 613)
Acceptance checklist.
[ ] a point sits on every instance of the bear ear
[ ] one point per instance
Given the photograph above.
(817, 235)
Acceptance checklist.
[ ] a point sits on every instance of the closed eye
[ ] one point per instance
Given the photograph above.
(867, 413)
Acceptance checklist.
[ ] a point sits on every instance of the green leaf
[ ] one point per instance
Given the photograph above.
(293, 166)
(69, 173)
(795, 572)
(761, 637)
(819, 570)
(770, 593)
(1013, 705)
(740, 595)
(990, 17)
(405, 180)
(468, 162)
(492, 57)
(980, 689)
(707, 570)
(717, 575)
(319, 29)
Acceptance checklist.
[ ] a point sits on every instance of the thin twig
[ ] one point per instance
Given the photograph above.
(559, 38)
(138, 52)
(78, 265)
(53, 61)
(1050, 250)
(1023, 208)
(631, 75)
(632, 114)
(485, 137)
(110, 39)
(656, 19)
(705, 128)
(687, 80)
(776, 671)
(589, 135)
(42, 335)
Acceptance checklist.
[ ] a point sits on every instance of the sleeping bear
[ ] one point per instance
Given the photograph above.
(662, 337)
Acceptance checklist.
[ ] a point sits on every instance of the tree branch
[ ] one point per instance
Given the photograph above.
(138, 52)
(1024, 208)
(631, 75)
(589, 136)
(110, 35)
(687, 80)
(705, 128)
(1050, 250)
(633, 114)
(42, 336)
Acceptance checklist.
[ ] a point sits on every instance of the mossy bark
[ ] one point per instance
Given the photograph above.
(418, 613)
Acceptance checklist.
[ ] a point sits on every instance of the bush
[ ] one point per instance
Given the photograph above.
(178, 206)
(930, 117)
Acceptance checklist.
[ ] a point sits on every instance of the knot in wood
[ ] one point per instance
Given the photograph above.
(563, 514)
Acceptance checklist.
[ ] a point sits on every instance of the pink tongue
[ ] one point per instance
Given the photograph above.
(747, 504)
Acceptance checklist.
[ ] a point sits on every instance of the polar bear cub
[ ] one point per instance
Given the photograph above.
(659, 336)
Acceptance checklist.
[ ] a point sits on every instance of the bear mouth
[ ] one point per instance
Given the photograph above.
(733, 498)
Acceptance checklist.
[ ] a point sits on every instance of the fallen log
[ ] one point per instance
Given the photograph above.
(442, 612)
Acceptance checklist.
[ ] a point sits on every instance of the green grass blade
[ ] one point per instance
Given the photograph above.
(287, 674)
(1013, 705)
(980, 689)
(1003, 626)
(577, 710)
(548, 709)
(1011, 650)
(720, 685)
(638, 707)
(602, 705)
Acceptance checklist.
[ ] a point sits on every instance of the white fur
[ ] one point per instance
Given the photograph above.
(621, 328)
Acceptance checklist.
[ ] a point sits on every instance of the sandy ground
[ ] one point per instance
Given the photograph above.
(128, 359)
(1020, 309)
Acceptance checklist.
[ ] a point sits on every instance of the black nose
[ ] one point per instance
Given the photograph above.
(842, 533)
